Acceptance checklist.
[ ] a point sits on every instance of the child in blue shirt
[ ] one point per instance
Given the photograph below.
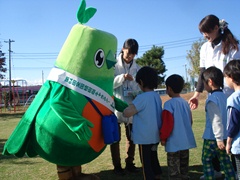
(232, 78)
(216, 122)
(176, 132)
(146, 110)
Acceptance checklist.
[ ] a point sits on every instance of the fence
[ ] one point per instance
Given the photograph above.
(17, 97)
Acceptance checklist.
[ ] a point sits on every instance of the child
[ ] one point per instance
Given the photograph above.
(215, 128)
(176, 132)
(232, 78)
(146, 110)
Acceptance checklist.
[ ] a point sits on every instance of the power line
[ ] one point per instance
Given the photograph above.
(175, 57)
(31, 68)
(173, 42)
(166, 45)
(40, 53)
(38, 56)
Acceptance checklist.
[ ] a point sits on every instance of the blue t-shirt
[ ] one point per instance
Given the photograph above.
(233, 122)
(182, 136)
(147, 121)
(220, 100)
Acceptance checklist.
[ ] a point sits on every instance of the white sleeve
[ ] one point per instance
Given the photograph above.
(216, 119)
(236, 54)
(202, 56)
(118, 81)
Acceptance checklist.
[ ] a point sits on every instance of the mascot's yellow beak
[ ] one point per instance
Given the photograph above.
(110, 60)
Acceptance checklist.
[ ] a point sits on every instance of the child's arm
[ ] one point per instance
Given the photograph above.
(167, 126)
(191, 118)
(233, 127)
(234, 123)
(129, 111)
(229, 145)
(217, 126)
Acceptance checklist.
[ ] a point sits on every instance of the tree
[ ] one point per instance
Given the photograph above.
(153, 58)
(2, 65)
(193, 56)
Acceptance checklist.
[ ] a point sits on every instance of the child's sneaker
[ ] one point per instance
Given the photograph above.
(131, 168)
(216, 175)
(118, 170)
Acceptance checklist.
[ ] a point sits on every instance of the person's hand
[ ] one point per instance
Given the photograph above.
(128, 77)
(228, 148)
(163, 143)
(193, 102)
(221, 145)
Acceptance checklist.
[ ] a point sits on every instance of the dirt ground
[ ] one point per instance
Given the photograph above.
(186, 96)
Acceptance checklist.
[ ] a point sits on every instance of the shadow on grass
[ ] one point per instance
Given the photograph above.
(11, 158)
(6, 117)
(110, 175)
(194, 172)
(2, 142)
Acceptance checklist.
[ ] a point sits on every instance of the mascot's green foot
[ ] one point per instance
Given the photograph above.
(74, 173)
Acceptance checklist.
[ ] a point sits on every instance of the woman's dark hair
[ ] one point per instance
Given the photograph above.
(175, 82)
(208, 23)
(214, 74)
(131, 45)
(148, 76)
(232, 70)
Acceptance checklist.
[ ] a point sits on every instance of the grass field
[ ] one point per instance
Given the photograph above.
(12, 168)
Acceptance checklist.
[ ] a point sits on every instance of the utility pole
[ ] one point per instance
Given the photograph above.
(10, 74)
(42, 77)
(186, 72)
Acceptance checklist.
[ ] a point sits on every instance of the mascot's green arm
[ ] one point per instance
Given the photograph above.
(65, 110)
(119, 104)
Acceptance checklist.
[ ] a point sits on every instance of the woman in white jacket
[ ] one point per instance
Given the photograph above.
(125, 88)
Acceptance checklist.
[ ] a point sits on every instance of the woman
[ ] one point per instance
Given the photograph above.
(220, 48)
(125, 88)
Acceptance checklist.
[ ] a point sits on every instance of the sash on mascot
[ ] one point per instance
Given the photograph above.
(90, 91)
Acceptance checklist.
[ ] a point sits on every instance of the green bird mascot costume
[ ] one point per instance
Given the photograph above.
(71, 119)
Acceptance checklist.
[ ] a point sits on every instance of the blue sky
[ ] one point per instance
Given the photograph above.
(39, 28)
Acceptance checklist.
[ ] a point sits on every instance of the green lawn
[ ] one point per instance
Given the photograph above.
(12, 168)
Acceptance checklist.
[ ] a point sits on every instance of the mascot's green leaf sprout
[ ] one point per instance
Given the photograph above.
(84, 14)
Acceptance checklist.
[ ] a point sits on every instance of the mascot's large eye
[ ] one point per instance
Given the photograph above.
(99, 58)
